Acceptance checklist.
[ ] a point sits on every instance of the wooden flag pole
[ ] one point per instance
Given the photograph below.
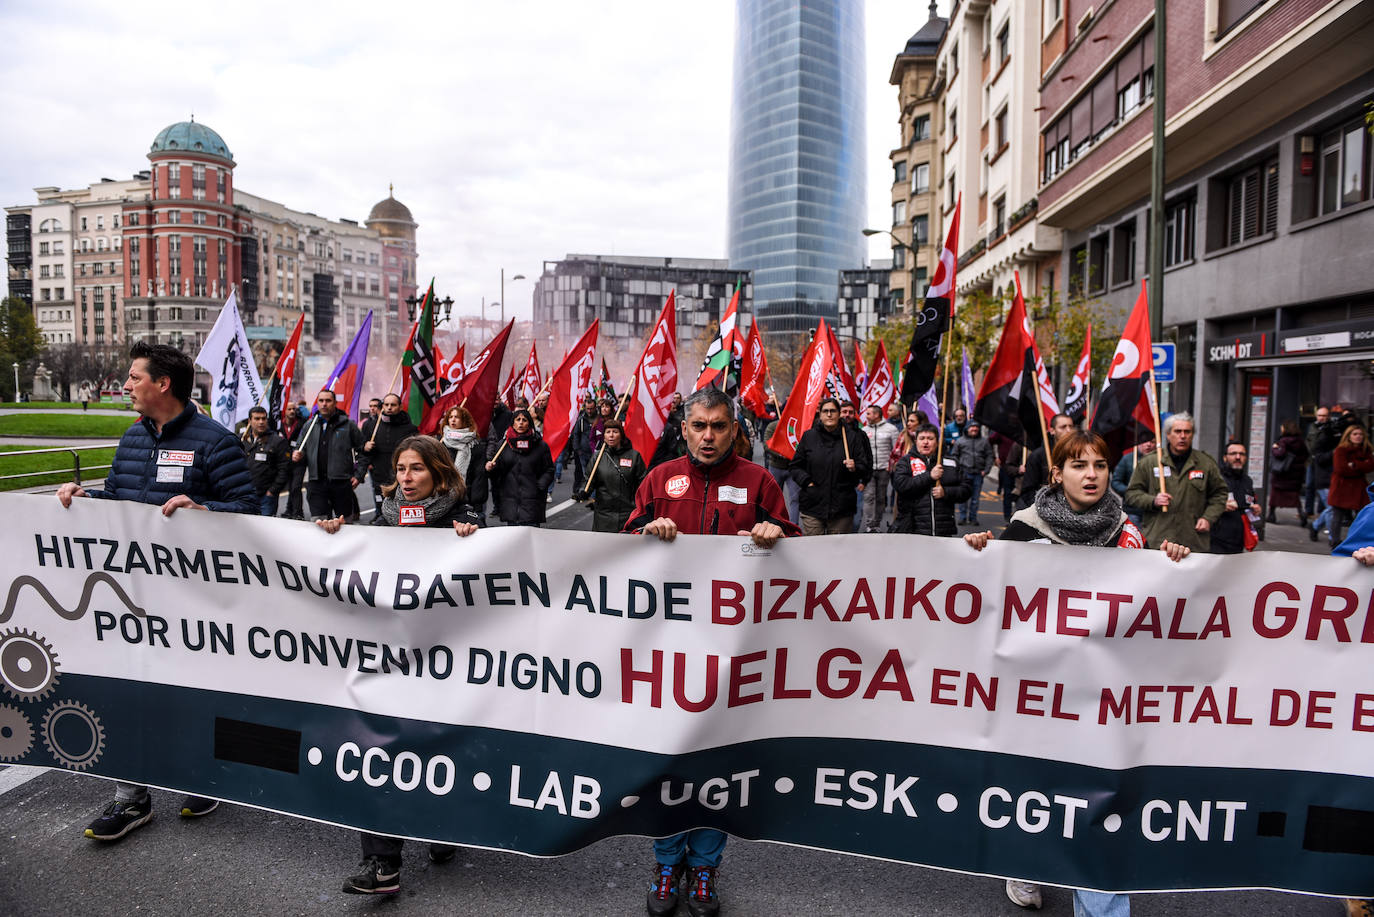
(944, 395)
(1162, 443)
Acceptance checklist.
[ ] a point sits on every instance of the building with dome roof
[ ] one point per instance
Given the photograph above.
(154, 258)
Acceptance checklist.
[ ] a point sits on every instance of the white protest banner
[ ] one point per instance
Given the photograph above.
(1088, 717)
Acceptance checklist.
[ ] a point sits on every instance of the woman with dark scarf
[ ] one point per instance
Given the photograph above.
(428, 493)
(522, 471)
(1079, 507)
(468, 451)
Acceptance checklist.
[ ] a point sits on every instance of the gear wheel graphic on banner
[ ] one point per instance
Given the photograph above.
(28, 665)
(16, 733)
(73, 734)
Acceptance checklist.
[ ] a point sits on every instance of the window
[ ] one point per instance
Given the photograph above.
(372, 258)
(60, 293)
(348, 255)
(100, 221)
(44, 272)
(898, 259)
(173, 216)
(1097, 263)
(83, 224)
(951, 193)
(81, 269)
(921, 278)
(953, 126)
(43, 247)
(1231, 12)
(1078, 259)
(1119, 91)
(98, 269)
(1004, 44)
(1000, 130)
(1252, 203)
(899, 172)
(920, 230)
(999, 212)
(1123, 253)
(198, 218)
(920, 128)
(920, 178)
(59, 270)
(115, 223)
(1344, 174)
(1178, 231)
(1053, 10)
(898, 213)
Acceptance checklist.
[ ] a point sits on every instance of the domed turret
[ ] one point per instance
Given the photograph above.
(190, 137)
(392, 219)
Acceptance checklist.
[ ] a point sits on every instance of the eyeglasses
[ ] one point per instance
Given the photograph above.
(829, 411)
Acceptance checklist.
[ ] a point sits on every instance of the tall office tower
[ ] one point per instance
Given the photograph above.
(797, 163)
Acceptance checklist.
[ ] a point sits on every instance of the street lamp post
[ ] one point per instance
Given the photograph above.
(16, 383)
(503, 293)
(911, 291)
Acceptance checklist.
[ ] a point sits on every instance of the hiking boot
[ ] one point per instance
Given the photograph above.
(119, 818)
(196, 806)
(375, 877)
(701, 892)
(1025, 894)
(663, 889)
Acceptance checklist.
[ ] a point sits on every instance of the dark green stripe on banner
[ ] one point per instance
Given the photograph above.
(1139, 829)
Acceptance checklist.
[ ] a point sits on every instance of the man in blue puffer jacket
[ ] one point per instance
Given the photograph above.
(176, 458)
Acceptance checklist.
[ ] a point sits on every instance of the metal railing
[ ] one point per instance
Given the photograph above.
(76, 461)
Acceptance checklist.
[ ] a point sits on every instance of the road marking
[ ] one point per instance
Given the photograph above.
(16, 775)
(566, 504)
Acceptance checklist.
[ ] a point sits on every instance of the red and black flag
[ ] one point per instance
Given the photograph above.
(1076, 401)
(1016, 385)
(932, 319)
(283, 376)
(1125, 414)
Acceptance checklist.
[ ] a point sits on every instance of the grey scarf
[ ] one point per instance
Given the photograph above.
(461, 442)
(436, 506)
(1095, 526)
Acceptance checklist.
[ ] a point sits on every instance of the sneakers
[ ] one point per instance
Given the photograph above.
(1025, 894)
(442, 853)
(196, 806)
(663, 889)
(119, 818)
(549, 498)
(701, 892)
(375, 877)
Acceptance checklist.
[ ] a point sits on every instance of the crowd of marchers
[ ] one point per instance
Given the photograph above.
(900, 473)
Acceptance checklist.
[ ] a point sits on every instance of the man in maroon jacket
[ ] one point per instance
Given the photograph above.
(708, 491)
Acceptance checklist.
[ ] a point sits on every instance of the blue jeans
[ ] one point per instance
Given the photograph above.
(968, 511)
(267, 505)
(698, 847)
(1323, 512)
(1100, 904)
(791, 491)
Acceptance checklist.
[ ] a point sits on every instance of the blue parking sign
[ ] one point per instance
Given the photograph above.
(1163, 361)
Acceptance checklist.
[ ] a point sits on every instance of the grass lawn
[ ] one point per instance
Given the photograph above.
(75, 405)
(59, 462)
(73, 425)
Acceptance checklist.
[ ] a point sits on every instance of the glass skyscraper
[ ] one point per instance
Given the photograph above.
(797, 155)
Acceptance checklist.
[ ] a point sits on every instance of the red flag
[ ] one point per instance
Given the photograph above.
(1124, 415)
(753, 376)
(512, 385)
(477, 392)
(279, 394)
(568, 382)
(1016, 384)
(880, 391)
(1076, 401)
(860, 371)
(653, 384)
(531, 379)
(807, 392)
(451, 374)
(440, 385)
(840, 381)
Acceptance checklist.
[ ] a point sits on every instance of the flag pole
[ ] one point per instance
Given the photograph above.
(1159, 438)
(1088, 406)
(944, 398)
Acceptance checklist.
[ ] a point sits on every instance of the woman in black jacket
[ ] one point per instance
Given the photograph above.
(617, 475)
(522, 471)
(469, 453)
(927, 490)
(427, 492)
(830, 462)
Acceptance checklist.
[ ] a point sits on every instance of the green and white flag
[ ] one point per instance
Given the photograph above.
(728, 347)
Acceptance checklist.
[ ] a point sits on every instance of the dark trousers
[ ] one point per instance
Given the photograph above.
(388, 848)
(294, 506)
(329, 499)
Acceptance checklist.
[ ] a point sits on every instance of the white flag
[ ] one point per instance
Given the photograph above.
(234, 384)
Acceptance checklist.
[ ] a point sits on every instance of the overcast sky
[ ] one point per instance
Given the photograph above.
(516, 132)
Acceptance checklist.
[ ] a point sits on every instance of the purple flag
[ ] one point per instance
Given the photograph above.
(970, 394)
(931, 405)
(346, 381)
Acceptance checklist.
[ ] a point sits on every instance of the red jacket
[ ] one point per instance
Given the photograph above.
(1349, 467)
(728, 497)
